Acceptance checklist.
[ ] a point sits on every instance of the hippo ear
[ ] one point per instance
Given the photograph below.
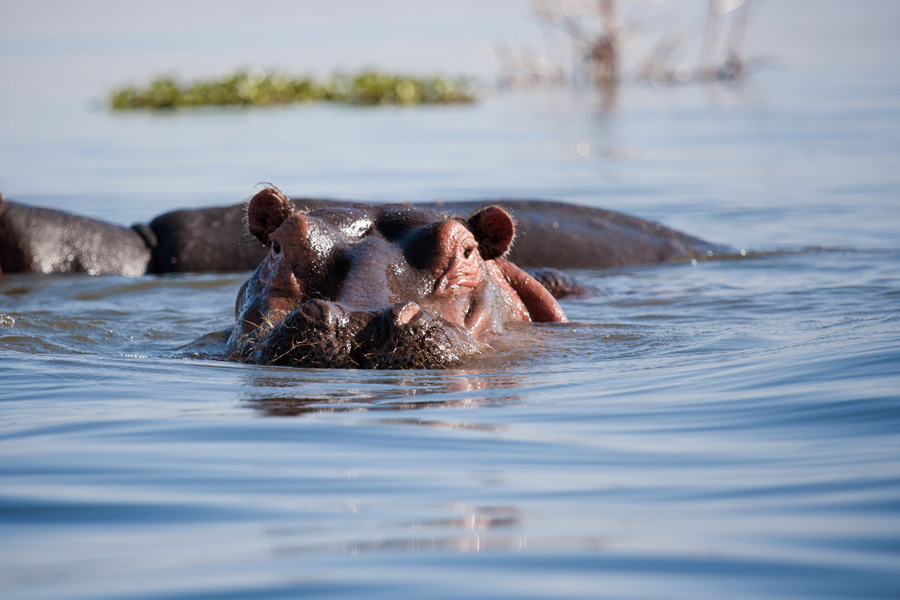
(267, 210)
(494, 229)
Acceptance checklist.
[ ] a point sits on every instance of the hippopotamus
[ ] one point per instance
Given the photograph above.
(548, 234)
(344, 284)
(389, 286)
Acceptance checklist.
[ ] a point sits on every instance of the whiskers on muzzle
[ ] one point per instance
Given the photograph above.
(322, 334)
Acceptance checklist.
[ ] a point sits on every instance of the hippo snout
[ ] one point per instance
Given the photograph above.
(326, 334)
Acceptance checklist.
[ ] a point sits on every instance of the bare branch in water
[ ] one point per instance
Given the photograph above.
(588, 42)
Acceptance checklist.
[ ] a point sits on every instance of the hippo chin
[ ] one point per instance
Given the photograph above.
(382, 287)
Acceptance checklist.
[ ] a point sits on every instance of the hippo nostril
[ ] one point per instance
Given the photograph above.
(402, 314)
(313, 310)
(324, 312)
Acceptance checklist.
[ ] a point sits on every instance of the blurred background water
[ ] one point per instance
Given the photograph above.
(719, 429)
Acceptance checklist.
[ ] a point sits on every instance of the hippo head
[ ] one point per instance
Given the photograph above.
(368, 286)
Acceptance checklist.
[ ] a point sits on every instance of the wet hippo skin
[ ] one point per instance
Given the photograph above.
(548, 234)
(50, 241)
(379, 286)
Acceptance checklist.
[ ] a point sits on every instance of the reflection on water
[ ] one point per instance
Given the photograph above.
(475, 529)
(289, 392)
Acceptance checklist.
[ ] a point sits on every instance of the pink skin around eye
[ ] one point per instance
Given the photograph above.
(279, 277)
(460, 283)
(283, 254)
(460, 264)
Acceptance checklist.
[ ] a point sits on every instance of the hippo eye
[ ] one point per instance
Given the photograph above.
(276, 248)
(467, 253)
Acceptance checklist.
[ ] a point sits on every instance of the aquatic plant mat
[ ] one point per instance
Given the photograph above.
(260, 88)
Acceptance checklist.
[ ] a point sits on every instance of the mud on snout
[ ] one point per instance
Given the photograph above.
(322, 334)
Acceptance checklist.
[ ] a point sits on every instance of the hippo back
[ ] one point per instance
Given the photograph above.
(549, 234)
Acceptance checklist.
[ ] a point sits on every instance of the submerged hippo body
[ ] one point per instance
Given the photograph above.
(43, 240)
(549, 234)
(389, 286)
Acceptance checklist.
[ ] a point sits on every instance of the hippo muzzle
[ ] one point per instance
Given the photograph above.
(324, 334)
(379, 287)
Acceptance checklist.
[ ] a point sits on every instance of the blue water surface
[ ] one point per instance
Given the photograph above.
(719, 429)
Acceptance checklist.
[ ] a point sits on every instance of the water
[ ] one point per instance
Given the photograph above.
(721, 429)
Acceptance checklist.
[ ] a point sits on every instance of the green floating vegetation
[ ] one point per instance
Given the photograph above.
(258, 88)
